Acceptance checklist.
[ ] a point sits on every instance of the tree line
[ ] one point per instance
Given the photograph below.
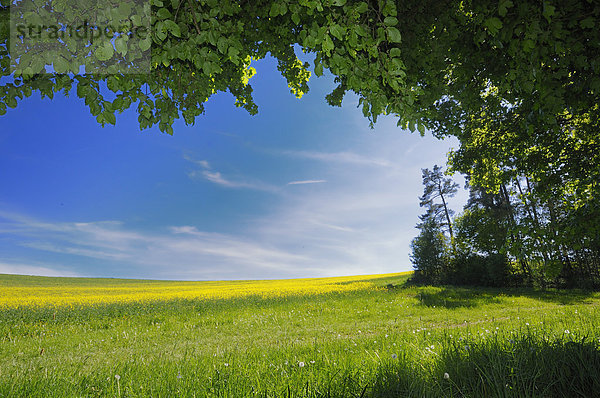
(517, 235)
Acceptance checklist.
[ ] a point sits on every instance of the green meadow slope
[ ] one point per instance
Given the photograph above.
(386, 340)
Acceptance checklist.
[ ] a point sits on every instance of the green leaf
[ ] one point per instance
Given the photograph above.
(548, 11)
(61, 65)
(362, 7)
(117, 104)
(105, 51)
(503, 7)
(163, 13)
(394, 35)
(337, 31)
(339, 3)
(274, 11)
(121, 45)
(136, 20)
(395, 52)
(95, 108)
(233, 52)
(421, 128)
(319, 69)
(222, 45)
(588, 23)
(161, 31)
(145, 43)
(411, 126)
(327, 44)
(493, 25)
(124, 9)
(296, 18)
(391, 21)
(528, 45)
(389, 10)
(75, 67)
(11, 102)
(173, 28)
(110, 117)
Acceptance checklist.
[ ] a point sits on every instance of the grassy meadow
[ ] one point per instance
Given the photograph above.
(364, 336)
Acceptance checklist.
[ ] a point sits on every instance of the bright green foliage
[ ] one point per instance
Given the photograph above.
(203, 47)
(440, 64)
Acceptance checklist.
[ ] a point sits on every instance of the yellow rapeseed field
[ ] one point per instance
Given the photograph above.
(76, 291)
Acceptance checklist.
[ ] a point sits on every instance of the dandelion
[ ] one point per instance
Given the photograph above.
(446, 376)
(118, 384)
(394, 356)
(301, 364)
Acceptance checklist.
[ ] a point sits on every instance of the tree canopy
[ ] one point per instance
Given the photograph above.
(517, 82)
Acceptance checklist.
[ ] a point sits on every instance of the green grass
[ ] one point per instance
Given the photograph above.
(396, 341)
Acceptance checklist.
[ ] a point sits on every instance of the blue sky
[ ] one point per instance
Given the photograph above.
(300, 190)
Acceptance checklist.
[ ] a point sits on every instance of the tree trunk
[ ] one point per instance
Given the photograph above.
(447, 214)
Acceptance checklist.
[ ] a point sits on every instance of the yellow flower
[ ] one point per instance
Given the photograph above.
(73, 292)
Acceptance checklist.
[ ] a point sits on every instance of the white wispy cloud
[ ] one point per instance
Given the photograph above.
(302, 182)
(218, 179)
(28, 269)
(207, 173)
(340, 157)
(180, 252)
(202, 163)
